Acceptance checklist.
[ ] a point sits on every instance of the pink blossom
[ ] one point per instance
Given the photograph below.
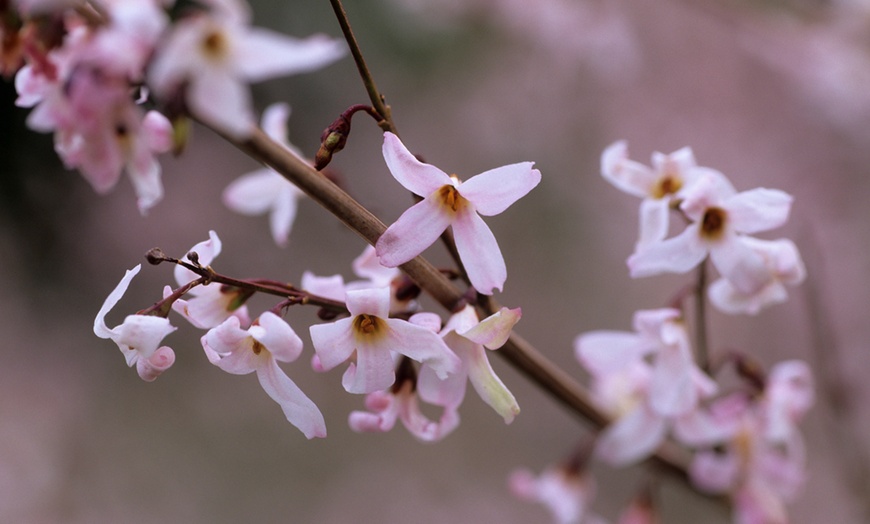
(565, 492)
(211, 304)
(469, 338)
(370, 338)
(401, 402)
(447, 201)
(139, 336)
(264, 190)
(659, 186)
(259, 349)
(785, 267)
(213, 55)
(720, 216)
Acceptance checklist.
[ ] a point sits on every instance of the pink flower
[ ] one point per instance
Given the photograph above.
(214, 55)
(371, 338)
(259, 349)
(566, 493)
(720, 216)
(211, 304)
(139, 336)
(447, 201)
(264, 190)
(785, 267)
(469, 338)
(401, 402)
(659, 186)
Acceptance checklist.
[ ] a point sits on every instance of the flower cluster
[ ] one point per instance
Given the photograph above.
(374, 339)
(91, 73)
(651, 382)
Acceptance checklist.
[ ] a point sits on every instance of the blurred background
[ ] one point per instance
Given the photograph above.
(772, 93)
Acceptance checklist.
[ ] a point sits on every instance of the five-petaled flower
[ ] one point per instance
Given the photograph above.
(259, 348)
(139, 336)
(447, 201)
(213, 55)
(371, 338)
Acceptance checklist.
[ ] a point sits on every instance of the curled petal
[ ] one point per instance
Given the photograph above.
(422, 345)
(278, 337)
(479, 252)
(493, 191)
(151, 368)
(493, 331)
(206, 250)
(100, 328)
(627, 175)
(268, 54)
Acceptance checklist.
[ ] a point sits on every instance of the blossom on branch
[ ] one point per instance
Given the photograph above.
(213, 303)
(259, 349)
(470, 338)
(721, 217)
(370, 339)
(139, 336)
(212, 55)
(264, 190)
(659, 186)
(447, 201)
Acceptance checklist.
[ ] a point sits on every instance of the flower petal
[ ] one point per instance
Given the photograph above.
(206, 251)
(333, 343)
(627, 175)
(489, 386)
(100, 328)
(373, 371)
(417, 229)
(277, 336)
(493, 331)
(493, 191)
(415, 176)
(631, 438)
(298, 408)
(758, 210)
(654, 213)
(369, 301)
(264, 54)
(675, 255)
(603, 352)
(479, 252)
(422, 345)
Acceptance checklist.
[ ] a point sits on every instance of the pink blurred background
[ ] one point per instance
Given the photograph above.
(773, 95)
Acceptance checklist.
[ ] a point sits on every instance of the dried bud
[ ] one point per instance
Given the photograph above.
(155, 256)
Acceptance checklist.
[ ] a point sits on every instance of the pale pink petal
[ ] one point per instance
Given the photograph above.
(420, 425)
(700, 428)
(714, 472)
(142, 334)
(415, 176)
(489, 386)
(230, 348)
(223, 101)
(328, 287)
(206, 251)
(144, 172)
(284, 214)
(679, 254)
(298, 408)
(627, 175)
(151, 368)
(373, 371)
(253, 193)
(425, 319)
(422, 345)
(100, 328)
(277, 336)
(631, 438)
(758, 210)
(449, 391)
(493, 191)
(367, 266)
(417, 229)
(493, 331)
(729, 299)
(157, 132)
(370, 301)
(382, 418)
(274, 121)
(742, 266)
(672, 390)
(603, 352)
(264, 54)
(479, 252)
(654, 213)
(334, 343)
